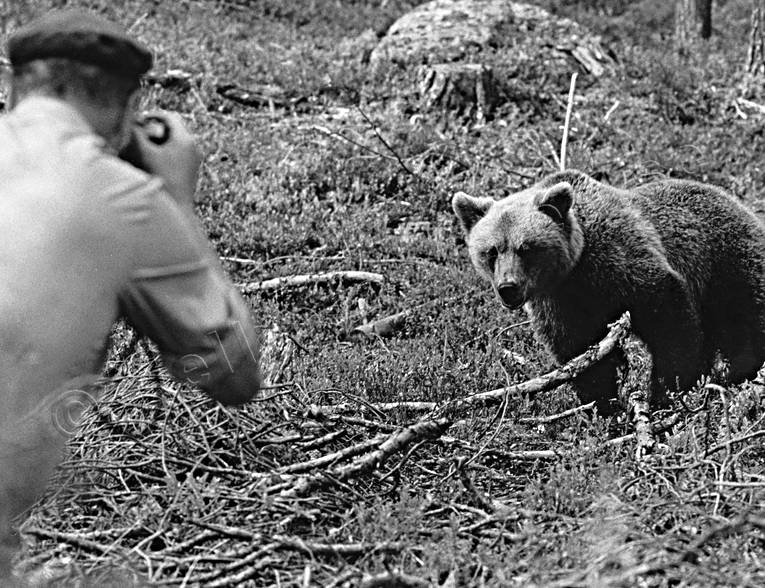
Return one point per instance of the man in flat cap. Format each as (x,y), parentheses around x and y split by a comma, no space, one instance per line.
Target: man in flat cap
(86,238)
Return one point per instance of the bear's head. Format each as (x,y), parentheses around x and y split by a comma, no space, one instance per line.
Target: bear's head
(525,244)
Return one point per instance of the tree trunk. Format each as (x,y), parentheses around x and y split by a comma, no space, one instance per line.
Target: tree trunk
(704,12)
(755,56)
(685,20)
(693,20)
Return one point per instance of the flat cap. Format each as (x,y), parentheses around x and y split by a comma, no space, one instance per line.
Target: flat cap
(81,36)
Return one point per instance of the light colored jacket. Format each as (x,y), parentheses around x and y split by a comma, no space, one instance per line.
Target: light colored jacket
(85,239)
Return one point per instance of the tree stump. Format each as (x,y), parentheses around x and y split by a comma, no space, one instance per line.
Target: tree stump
(469,88)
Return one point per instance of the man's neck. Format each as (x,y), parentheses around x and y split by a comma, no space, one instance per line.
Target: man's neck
(107,121)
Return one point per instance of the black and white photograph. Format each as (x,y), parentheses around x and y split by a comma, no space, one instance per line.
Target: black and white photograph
(382,293)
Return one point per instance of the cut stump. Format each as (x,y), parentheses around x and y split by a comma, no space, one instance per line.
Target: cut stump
(469,88)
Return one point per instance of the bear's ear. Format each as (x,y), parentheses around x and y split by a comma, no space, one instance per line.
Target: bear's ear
(556,201)
(470,210)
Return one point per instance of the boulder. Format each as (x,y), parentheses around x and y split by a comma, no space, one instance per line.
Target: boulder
(443,31)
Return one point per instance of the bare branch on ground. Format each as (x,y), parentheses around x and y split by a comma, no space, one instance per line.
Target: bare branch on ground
(396,442)
(295,281)
(545,420)
(530,388)
(393,580)
(383,327)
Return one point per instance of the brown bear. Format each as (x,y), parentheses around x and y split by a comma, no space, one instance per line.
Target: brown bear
(685,258)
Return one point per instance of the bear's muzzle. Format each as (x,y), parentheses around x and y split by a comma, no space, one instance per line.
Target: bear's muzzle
(511,294)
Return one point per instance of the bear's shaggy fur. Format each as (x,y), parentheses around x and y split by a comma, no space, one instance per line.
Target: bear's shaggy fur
(686,259)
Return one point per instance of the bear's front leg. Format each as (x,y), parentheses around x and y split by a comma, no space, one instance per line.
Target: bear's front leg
(667,321)
(599,383)
(568,330)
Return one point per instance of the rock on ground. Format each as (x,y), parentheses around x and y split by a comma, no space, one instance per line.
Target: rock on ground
(447,30)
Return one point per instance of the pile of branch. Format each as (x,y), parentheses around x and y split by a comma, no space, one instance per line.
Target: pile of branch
(167,487)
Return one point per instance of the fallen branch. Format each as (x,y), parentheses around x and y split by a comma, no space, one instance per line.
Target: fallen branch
(387,325)
(750,104)
(641,416)
(393,580)
(636,386)
(323,440)
(315,548)
(228,531)
(398,441)
(530,454)
(346,407)
(332,458)
(74,539)
(311,279)
(656,428)
(530,388)
(262,96)
(383,327)
(617,331)
(277,352)
(611,110)
(366,423)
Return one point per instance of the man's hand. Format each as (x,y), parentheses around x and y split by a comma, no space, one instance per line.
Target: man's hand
(176,161)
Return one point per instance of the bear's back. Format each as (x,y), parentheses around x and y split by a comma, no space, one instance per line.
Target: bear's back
(712,240)
(704,228)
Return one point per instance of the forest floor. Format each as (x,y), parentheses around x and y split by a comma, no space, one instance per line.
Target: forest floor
(331,166)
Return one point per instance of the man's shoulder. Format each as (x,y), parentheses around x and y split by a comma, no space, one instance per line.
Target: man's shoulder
(50,141)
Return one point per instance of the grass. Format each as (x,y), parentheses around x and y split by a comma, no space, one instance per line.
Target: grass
(280,192)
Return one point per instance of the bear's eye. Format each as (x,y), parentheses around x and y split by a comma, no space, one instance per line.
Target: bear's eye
(490,257)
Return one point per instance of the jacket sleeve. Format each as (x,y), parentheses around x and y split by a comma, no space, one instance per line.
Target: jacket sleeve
(178,295)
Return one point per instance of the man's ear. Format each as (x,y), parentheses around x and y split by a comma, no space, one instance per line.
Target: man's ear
(556,201)
(470,210)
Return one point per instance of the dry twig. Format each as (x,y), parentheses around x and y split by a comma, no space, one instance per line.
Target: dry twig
(383,327)
(567,124)
(546,420)
(396,442)
(393,580)
(349,276)
(530,388)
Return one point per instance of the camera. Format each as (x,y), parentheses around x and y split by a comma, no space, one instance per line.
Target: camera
(152,127)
